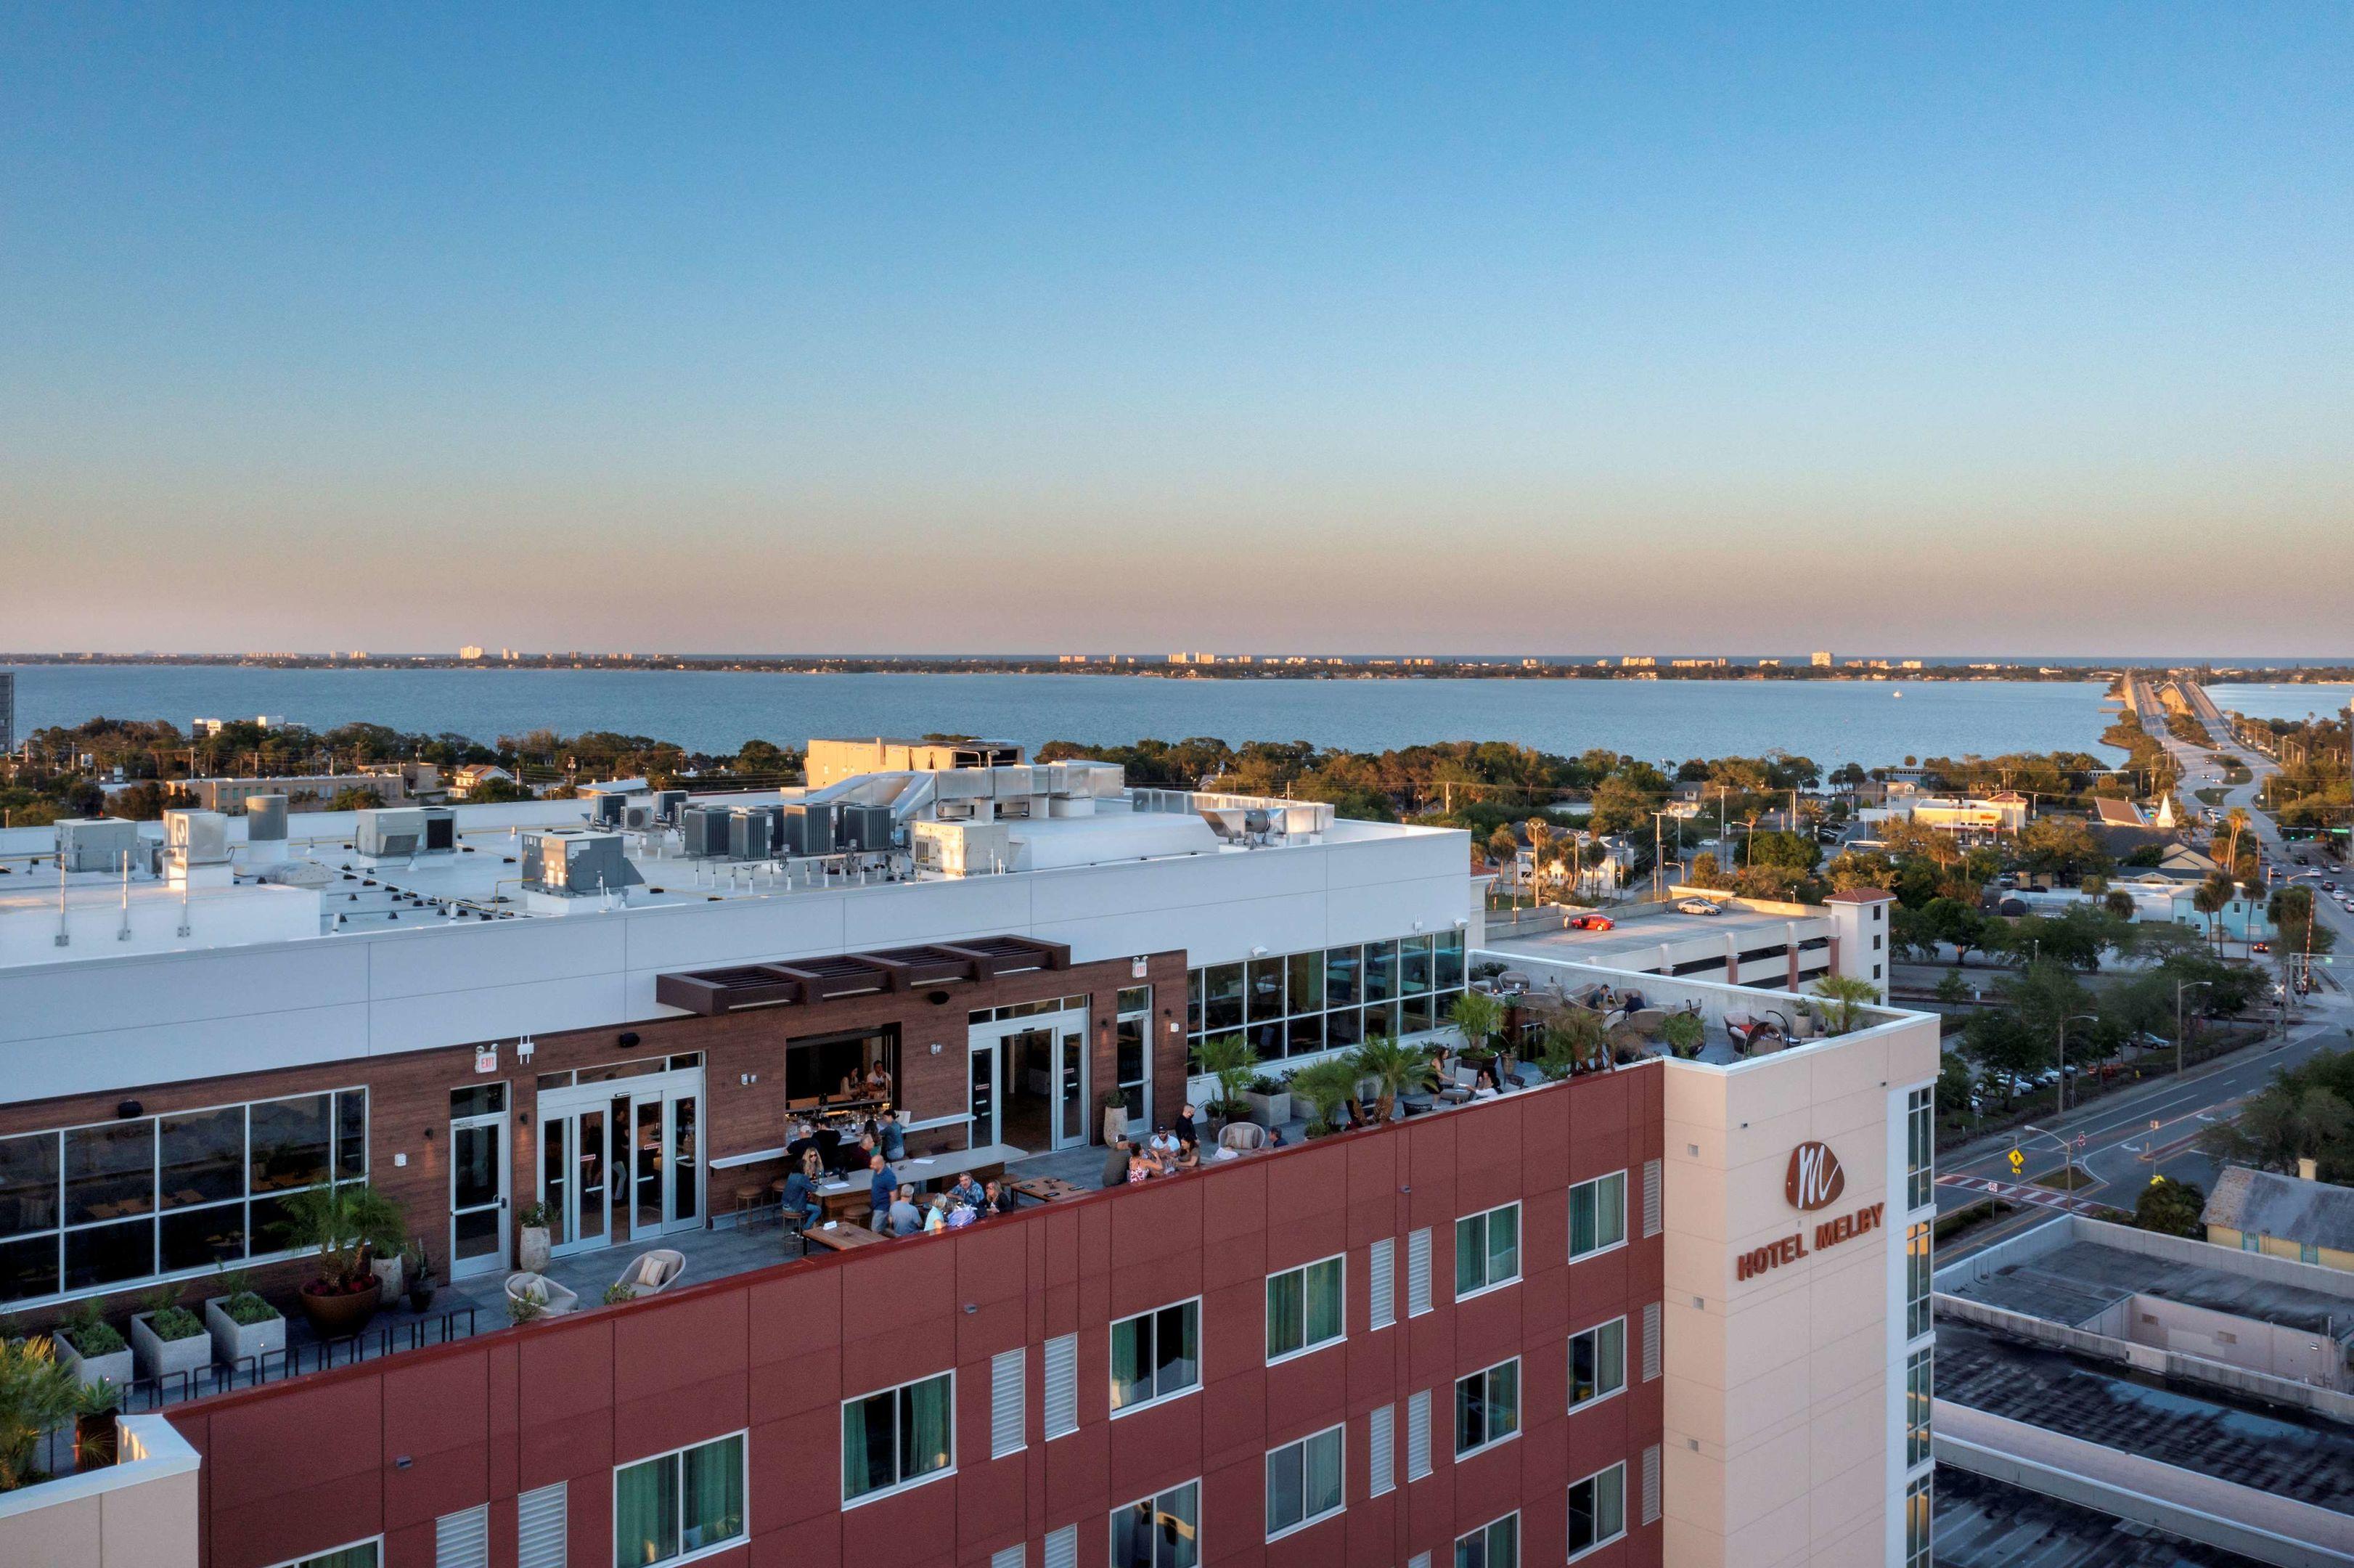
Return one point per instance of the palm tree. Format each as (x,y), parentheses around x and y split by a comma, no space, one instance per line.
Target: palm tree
(1397,1068)
(1845,995)
(1229,1059)
(2236,819)
(1326,1085)
(1476,1015)
(1574,1038)
(2215,897)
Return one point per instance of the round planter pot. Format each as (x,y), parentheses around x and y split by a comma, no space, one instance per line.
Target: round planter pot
(335,1314)
(532,1248)
(420,1298)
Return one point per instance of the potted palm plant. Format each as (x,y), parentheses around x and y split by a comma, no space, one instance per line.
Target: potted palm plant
(1477,1016)
(242,1324)
(345,1225)
(90,1347)
(167,1339)
(1684,1033)
(37,1391)
(1396,1069)
(1326,1085)
(1576,1041)
(420,1264)
(97,1439)
(1229,1059)
(1844,998)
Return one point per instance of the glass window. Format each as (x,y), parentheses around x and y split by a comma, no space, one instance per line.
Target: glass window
(1222,997)
(1597,1215)
(1155,1355)
(110,1170)
(1135,999)
(351,1134)
(1447,970)
(1304,1036)
(1598,1510)
(898,1436)
(28,1183)
(1382,1019)
(110,1255)
(1918,1271)
(201,1157)
(1193,1001)
(1342,967)
(290,1143)
(1917,1524)
(1487,1407)
(1414,966)
(1598,1363)
(1919,1390)
(1921,1144)
(482,1099)
(1381,971)
(1415,1014)
(1265,988)
(1486,1250)
(365,1554)
(679,1504)
(1343,1027)
(1159,1531)
(202,1238)
(1305,982)
(1495,1545)
(28,1267)
(1303,1309)
(1303,1482)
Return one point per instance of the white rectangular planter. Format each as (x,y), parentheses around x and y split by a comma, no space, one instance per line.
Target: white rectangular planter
(114,1368)
(1270,1111)
(233,1340)
(164,1358)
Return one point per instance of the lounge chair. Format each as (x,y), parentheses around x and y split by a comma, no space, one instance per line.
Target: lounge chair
(1242,1136)
(554,1299)
(653,1272)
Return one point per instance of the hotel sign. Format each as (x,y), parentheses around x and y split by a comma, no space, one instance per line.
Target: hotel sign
(1814,1180)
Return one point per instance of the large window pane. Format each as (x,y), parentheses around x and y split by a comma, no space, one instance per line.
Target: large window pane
(1286,1491)
(1131,1362)
(1265,988)
(1304,1036)
(1381,971)
(1343,1027)
(1414,966)
(109,1255)
(645,1512)
(28,1183)
(1222,997)
(1382,1019)
(1342,969)
(351,1133)
(870,1445)
(110,1170)
(1415,1014)
(290,1142)
(1447,971)
(925,1441)
(1193,1003)
(28,1267)
(1161,1532)
(1177,1358)
(1305,982)
(711,1507)
(201,1157)
(202,1238)
(1324,1300)
(1284,1317)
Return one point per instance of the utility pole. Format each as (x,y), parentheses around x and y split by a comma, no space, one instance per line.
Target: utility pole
(2179,987)
(2088,1018)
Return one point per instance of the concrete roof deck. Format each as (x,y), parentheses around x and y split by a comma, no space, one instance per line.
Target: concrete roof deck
(2075,1282)
(1639,931)
(2286,1452)
(1987,1523)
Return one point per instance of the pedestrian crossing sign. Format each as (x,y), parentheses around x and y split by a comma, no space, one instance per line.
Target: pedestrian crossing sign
(2017,1160)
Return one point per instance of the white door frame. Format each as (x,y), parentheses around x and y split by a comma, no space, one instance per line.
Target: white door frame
(1058,1028)
(493,1262)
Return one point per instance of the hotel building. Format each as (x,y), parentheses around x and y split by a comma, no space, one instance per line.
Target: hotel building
(1669,1311)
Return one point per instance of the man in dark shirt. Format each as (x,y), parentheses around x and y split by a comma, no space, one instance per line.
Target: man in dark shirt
(1185,1133)
(800,1198)
(881,1188)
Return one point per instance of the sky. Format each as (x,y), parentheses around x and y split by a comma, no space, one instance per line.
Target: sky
(1973,329)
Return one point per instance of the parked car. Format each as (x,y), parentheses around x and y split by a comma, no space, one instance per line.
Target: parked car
(1592,923)
(2260,947)
(1698,906)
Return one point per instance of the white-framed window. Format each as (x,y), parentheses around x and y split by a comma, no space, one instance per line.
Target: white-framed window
(1303,1482)
(1916,1523)
(1919,1277)
(1162,1530)
(1920,1148)
(1486,1250)
(1304,1309)
(365,1554)
(1156,1355)
(1920,1377)
(1487,1408)
(1493,1545)
(1598,1510)
(1598,1363)
(679,1506)
(898,1438)
(176,1195)
(1597,1215)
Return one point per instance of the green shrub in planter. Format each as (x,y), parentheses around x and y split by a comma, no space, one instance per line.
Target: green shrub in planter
(91,1335)
(167,1320)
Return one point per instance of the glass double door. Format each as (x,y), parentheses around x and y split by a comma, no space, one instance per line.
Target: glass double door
(620,1163)
(1029,1082)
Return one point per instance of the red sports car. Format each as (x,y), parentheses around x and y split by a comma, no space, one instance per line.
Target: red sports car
(1592,923)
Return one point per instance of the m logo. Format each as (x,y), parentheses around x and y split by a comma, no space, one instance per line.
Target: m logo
(1814,1179)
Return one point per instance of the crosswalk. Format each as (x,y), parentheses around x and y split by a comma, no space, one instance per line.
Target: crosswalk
(2023,1192)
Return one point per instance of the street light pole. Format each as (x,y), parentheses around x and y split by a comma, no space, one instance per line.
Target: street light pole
(2179,987)
(2088,1018)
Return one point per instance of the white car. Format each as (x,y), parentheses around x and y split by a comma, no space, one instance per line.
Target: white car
(1698,906)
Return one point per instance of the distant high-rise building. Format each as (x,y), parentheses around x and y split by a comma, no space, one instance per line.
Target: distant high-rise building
(1821,660)
(469,654)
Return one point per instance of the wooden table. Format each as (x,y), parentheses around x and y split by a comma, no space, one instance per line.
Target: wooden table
(841,1238)
(846,1200)
(1047,1189)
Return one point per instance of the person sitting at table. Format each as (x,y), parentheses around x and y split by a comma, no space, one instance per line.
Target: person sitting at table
(965,1190)
(877,1085)
(1188,1155)
(800,1198)
(894,1137)
(996,1198)
(812,1165)
(936,1214)
(1484,1087)
(907,1219)
(851,1088)
(1142,1167)
(1163,1144)
(882,1186)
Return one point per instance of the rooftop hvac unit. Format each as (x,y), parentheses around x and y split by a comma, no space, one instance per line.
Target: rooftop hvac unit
(809,829)
(575,862)
(196,838)
(637,819)
(668,804)
(390,832)
(440,830)
(97,844)
(704,830)
(265,819)
(607,810)
(751,832)
(866,827)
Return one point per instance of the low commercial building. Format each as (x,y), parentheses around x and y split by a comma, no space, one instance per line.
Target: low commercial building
(2285,1216)
(1660,1312)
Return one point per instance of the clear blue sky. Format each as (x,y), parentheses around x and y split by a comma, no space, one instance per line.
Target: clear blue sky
(694,328)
